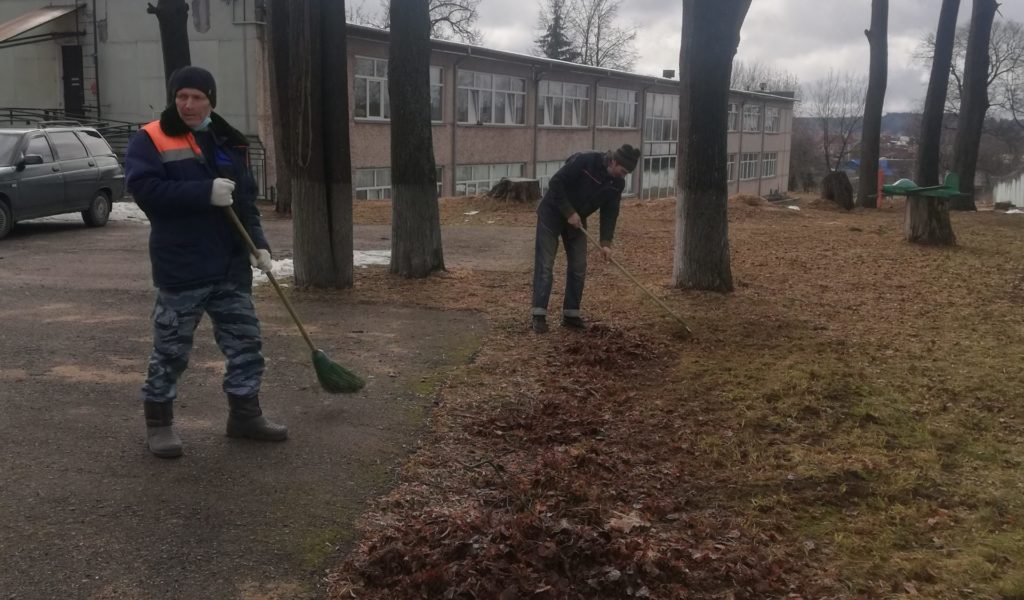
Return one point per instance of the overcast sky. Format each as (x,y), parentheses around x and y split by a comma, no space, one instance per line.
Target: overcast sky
(804,37)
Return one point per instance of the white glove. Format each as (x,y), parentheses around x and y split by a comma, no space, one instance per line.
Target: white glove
(220,193)
(261,260)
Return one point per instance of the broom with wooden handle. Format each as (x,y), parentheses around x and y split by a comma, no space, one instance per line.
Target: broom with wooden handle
(333,377)
(686,328)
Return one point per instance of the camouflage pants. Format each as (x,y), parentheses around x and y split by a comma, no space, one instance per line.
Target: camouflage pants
(235,328)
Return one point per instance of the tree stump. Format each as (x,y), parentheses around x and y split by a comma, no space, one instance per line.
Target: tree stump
(836,187)
(517,189)
(927,221)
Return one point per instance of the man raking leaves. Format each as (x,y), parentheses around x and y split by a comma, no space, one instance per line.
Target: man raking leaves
(188,172)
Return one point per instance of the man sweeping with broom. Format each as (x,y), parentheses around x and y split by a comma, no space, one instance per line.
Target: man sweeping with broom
(587,183)
(183,170)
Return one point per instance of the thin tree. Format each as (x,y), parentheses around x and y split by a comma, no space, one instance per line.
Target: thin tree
(310,111)
(837,103)
(975,102)
(449,19)
(172,15)
(597,39)
(871,132)
(415,218)
(927,221)
(711,34)
(554,42)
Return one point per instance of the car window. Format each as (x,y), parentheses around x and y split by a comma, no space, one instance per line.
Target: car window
(95,143)
(68,146)
(8,144)
(39,145)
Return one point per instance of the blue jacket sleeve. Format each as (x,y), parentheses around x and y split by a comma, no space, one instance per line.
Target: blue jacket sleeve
(155,194)
(568,175)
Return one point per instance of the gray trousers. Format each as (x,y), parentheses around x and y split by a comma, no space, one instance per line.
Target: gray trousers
(235,328)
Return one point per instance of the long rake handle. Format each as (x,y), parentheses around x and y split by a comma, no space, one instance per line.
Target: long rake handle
(255,252)
(638,284)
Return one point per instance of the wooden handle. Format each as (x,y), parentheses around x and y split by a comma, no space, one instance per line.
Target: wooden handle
(255,252)
(638,284)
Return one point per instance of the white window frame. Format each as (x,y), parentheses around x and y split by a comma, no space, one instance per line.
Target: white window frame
(751,118)
(772,119)
(616,108)
(487,88)
(563,104)
(382,183)
(662,182)
(439,86)
(377,79)
(734,117)
(730,167)
(770,162)
(381,188)
(749,162)
(544,170)
(482,177)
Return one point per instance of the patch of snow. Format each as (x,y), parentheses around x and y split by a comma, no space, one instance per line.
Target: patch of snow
(472,212)
(793,207)
(285,267)
(1014,211)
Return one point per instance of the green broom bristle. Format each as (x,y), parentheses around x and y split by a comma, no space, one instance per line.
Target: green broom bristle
(333,377)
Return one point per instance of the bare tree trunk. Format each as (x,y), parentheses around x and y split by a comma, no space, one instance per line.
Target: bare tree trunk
(974,104)
(711,34)
(337,154)
(415,221)
(871,128)
(322,247)
(927,220)
(172,16)
(928,148)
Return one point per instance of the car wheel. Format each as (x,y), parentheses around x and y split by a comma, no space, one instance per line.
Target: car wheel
(6,220)
(98,212)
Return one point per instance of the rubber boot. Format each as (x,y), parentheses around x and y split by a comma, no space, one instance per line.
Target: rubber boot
(160,436)
(246,420)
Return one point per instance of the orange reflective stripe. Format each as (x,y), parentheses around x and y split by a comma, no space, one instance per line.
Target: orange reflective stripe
(173,148)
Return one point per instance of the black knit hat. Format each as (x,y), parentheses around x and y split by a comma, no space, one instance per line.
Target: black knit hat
(196,78)
(627,156)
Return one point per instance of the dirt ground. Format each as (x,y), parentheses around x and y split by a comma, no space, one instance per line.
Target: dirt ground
(847,423)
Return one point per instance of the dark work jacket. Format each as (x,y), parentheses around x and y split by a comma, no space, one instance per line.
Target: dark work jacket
(583,185)
(191,242)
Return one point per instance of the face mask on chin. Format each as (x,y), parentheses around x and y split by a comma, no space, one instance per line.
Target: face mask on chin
(204,125)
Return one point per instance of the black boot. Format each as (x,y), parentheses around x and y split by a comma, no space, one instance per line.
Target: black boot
(574,323)
(246,420)
(160,436)
(539,324)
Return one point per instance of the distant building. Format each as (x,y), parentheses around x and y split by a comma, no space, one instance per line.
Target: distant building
(496,114)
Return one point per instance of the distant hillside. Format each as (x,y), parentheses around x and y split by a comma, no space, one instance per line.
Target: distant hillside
(905,123)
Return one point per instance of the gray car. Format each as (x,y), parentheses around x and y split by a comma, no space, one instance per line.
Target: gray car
(56,170)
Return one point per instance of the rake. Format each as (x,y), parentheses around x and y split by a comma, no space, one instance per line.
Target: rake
(333,377)
(686,327)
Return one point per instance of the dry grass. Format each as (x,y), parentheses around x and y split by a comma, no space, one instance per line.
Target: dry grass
(851,417)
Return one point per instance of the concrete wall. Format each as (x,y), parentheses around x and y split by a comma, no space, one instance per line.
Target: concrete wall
(32,73)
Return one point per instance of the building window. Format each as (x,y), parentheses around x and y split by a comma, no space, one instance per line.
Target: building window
(752,118)
(201,15)
(772,119)
(473,180)
(436,94)
(375,184)
(771,160)
(734,116)
(563,104)
(371,90)
(748,165)
(486,99)
(545,170)
(659,177)
(730,168)
(616,108)
(661,125)
(371,83)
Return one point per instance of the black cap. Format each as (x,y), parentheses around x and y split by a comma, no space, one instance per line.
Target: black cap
(627,156)
(196,78)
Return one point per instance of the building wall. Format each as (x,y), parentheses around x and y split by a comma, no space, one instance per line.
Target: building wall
(32,73)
